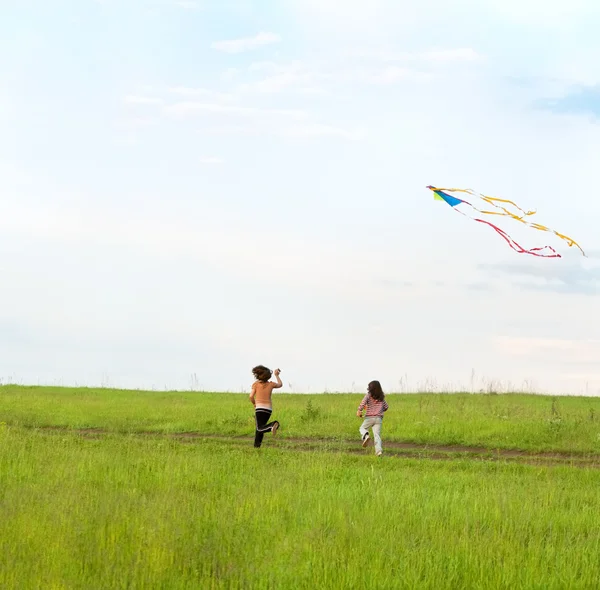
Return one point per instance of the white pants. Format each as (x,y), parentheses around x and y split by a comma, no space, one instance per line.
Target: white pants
(375,423)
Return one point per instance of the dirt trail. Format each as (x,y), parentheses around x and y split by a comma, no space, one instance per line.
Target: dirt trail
(402,450)
(409,450)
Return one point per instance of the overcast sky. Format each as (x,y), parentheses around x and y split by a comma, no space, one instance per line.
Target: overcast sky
(195,187)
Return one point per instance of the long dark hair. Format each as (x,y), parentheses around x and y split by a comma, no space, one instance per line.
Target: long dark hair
(375,391)
(262,373)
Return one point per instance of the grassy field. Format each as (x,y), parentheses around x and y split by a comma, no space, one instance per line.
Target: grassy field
(529,422)
(96,492)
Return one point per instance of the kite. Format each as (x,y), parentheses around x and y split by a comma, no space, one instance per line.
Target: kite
(504,208)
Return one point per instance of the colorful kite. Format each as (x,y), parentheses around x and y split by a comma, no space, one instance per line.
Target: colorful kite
(502,207)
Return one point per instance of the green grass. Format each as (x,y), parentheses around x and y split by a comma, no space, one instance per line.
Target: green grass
(132,510)
(139,512)
(529,422)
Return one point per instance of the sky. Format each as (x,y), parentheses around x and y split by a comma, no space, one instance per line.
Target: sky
(191,188)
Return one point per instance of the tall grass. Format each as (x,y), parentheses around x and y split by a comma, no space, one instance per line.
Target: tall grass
(139,512)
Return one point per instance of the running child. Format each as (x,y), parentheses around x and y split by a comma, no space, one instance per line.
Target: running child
(376,405)
(260,397)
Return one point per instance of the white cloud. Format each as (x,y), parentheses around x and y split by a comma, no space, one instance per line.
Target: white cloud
(188,4)
(282,129)
(312,130)
(527,346)
(324,78)
(163,232)
(261,66)
(394,74)
(126,139)
(447,55)
(211,160)
(229,74)
(247,43)
(132,123)
(554,14)
(254,120)
(143,100)
(196,92)
(386,54)
(281,77)
(191,108)
(351,17)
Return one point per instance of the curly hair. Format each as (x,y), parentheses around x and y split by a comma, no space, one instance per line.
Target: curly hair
(262,373)
(375,391)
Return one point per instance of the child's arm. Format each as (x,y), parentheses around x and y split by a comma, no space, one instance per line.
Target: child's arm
(253,394)
(279,383)
(385,406)
(362,405)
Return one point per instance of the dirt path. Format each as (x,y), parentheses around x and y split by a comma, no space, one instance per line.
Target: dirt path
(409,450)
(394,449)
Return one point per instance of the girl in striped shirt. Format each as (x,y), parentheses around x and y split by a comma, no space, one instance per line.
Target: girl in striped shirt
(376,405)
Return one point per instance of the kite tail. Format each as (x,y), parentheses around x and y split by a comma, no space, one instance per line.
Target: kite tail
(570,241)
(493,200)
(503,211)
(517,247)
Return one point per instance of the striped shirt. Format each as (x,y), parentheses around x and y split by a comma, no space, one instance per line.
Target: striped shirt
(374,407)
